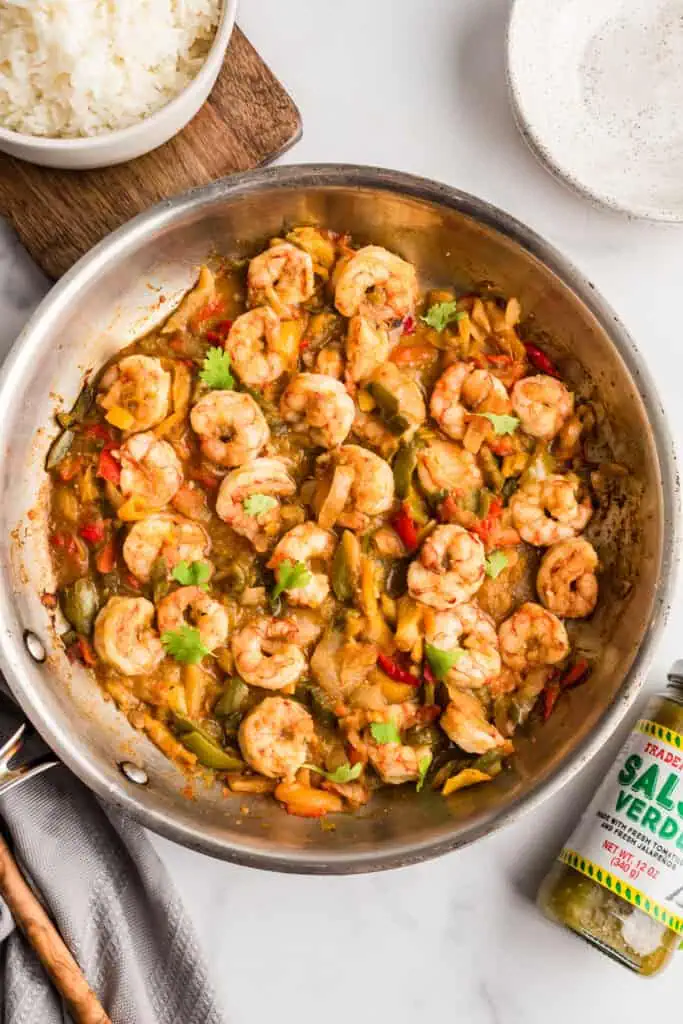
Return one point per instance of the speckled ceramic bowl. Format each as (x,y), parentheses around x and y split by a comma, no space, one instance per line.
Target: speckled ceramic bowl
(596,89)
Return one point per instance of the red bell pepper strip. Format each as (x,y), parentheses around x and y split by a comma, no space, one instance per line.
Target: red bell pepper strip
(575,675)
(212,308)
(394,671)
(484,526)
(66,542)
(406,528)
(550,695)
(501,445)
(219,333)
(409,325)
(106,557)
(93,533)
(99,432)
(540,360)
(80,650)
(108,468)
(428,675)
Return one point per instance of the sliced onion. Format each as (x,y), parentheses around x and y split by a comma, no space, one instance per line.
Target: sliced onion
(337,496)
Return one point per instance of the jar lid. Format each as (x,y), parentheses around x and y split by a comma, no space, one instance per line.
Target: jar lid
(675,673)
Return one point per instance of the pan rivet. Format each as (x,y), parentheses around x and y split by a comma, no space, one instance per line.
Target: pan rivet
(134,773)
(34,646)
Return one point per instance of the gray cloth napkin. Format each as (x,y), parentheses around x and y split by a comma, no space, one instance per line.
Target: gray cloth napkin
(113,903)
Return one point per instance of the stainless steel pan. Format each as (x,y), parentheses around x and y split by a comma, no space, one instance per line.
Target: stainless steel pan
(128,282)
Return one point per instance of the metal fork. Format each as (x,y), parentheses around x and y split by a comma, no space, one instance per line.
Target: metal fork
(10,777)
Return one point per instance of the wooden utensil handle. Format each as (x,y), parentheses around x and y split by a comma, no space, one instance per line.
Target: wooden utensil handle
(30,916)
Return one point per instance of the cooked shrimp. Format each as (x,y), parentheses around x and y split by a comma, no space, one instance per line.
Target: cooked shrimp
(362,486)
(461,389)
(449,569)
(192,606)
(307,624)
(306,543)
(547,511)
(372,432)
(321,405)
(532,636)
(140,386)
(166,536)
(444,466)
(404,390)
(253,344)
(276,737)
(376,284)
(472,633)
(268,477)
(395,763)
(125,638)
(267,653)
(230,426)
(367,347)
(464,722)
(542,404)
(566,580)
(150,469)
(281,277)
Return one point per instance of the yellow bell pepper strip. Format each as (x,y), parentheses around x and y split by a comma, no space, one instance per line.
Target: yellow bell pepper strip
(467,777)
(120,418)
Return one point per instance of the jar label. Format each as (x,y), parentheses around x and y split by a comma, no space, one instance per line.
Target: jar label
(630,839)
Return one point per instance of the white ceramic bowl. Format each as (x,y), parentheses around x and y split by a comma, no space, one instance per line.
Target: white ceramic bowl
(116,147)
(596,88)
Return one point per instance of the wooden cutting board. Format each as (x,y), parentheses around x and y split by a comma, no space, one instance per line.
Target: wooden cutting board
(247,121)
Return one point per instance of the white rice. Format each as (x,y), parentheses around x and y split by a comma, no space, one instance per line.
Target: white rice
(84,67)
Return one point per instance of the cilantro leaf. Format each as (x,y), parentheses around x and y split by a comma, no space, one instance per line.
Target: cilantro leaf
(192,574)
(495,563)
(441,314)
(215,372)
(185,645)
(344,773)
(384,732)
(290,576)
(257,504)
(423,767)
(501,424)
(441,662)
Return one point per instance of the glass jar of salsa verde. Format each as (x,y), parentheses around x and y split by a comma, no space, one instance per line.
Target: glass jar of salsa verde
(618,882)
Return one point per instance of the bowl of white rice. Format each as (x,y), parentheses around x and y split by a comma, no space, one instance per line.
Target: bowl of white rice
(92,83)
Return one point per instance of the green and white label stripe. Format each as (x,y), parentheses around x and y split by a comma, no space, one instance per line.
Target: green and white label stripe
(624,890)
(660,732)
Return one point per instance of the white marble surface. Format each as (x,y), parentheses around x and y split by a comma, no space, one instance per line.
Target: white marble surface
(419,85)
